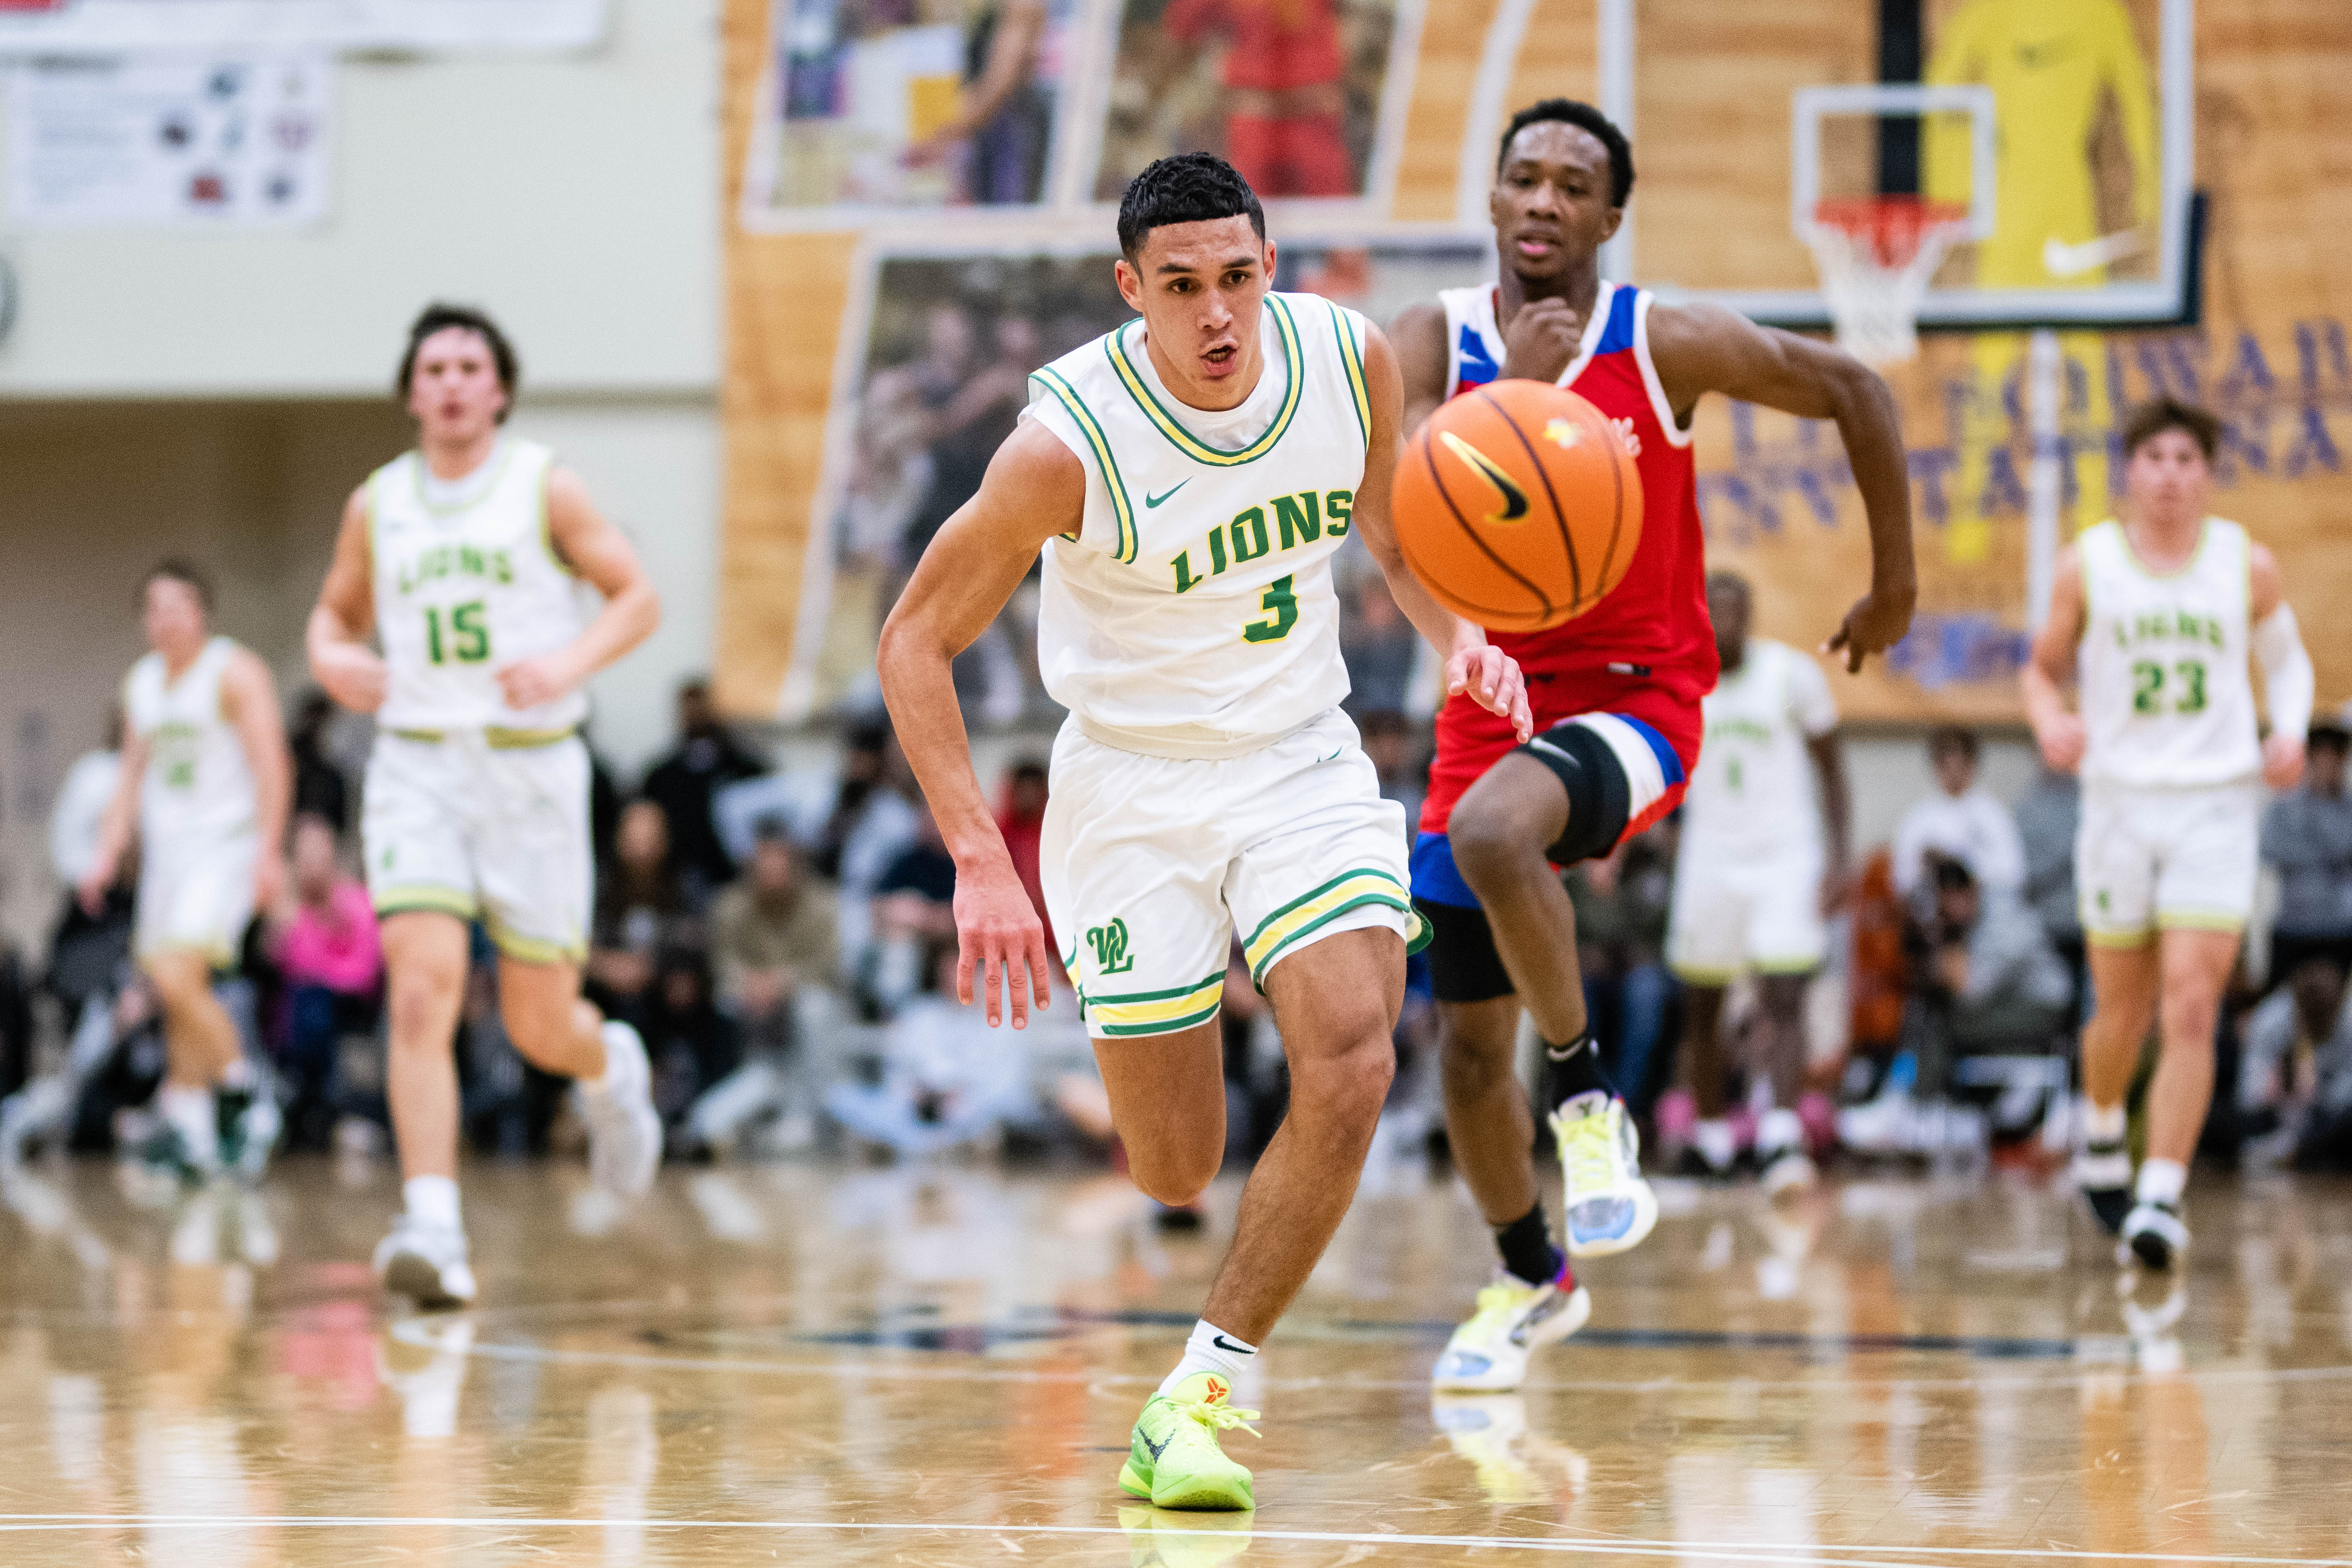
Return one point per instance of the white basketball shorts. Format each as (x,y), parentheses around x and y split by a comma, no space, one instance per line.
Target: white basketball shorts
(195,894)
(483,824)
(1732,914)
(1152,863)
(2156,857)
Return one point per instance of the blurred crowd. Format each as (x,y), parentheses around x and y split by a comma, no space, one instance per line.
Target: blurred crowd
(785,940)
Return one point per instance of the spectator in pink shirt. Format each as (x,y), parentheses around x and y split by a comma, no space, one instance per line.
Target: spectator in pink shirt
(326,947)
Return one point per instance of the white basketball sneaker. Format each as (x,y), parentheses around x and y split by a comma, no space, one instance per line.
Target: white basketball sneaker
(425,1263)
(1488,1354)
(1610,1208)
(624,1130)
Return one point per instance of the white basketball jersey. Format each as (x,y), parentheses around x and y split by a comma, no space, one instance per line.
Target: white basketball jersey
(1752,792)
(466,587)
(2165,691)
(1192,613)
(197,780)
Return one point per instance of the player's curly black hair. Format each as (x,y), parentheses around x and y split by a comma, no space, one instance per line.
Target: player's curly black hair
(439,317)
(1584,116)
(1191,187)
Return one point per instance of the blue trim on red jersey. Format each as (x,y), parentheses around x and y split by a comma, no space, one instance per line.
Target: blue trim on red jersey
(1478,368)
(1617,336)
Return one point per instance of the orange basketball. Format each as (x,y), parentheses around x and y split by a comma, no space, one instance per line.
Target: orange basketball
(1518,505)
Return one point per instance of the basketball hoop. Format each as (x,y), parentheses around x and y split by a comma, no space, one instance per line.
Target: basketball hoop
(1876,255)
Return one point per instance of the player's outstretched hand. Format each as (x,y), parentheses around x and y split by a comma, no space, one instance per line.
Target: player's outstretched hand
(997,931)
(2282,762)
(1873,625)
(1494,681)
(2063,740)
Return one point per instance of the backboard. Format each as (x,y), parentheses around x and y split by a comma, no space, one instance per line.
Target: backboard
(2078,113)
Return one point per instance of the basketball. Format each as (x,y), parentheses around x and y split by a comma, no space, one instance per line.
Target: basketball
(1517,504)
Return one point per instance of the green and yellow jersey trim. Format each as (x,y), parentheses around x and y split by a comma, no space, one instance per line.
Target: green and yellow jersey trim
(1351,355)
(1157,1011)
(1304,915)
(1092,430)
(512,943)
(1183,440)
(425,897)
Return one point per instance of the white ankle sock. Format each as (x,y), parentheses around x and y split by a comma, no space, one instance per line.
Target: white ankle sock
(2161,1182)
(2103,1123)
(238,1074)
(1778,1131)
(189,1109)
(1715,1142)
(1210,1349)
(433,1200)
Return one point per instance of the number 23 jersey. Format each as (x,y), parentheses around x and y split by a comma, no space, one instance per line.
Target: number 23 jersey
(1192,613)
(466,583)
(2164,692)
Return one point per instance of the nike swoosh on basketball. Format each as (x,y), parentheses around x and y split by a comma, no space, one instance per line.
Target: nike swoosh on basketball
(1151,500)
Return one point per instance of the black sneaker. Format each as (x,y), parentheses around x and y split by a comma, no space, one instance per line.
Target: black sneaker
(2104,1172)
(2154,1233)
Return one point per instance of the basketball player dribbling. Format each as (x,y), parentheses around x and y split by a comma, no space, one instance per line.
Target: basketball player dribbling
(204,789)
(1188,477)
(1616,693)
(462,557)
(2153,617)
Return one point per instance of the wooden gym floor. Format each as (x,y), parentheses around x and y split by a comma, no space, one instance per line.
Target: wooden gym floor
(940,1365)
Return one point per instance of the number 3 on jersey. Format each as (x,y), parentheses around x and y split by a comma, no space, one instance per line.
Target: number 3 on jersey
(1283,605)
(468,639)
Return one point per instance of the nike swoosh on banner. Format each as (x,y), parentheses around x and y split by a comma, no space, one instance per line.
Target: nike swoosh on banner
(1150,502)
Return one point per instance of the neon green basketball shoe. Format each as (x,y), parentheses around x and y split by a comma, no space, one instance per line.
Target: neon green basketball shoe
(1174,1460)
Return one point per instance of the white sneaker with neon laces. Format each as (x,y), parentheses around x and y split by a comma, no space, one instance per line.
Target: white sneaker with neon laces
(1488,1354)
(1610,1208)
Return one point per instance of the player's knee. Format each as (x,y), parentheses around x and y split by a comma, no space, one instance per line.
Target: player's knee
(1175,1174)
(179,979)
(1470,1065)
(541,1030)
(415,1002)
(1492,841)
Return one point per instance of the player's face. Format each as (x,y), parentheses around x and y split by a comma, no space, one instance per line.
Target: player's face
(1550,203)
(1199,287)
(454,390)
(173,619)
(2168,476)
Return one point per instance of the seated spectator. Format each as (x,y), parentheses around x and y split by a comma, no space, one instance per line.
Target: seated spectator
(320,790)
(705,760)
(2309,836)
(945,1077)
(773,932)
(1022,820)
(2294,1075)
(1388,742)
(1959,822)
(325,946)
(1989,983)
(1379,647)
(689,1042)
(81,809)
(853,821)
(640,910)
(913,916)
(2047,820)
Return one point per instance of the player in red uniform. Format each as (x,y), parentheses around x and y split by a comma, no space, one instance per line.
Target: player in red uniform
(1616,695)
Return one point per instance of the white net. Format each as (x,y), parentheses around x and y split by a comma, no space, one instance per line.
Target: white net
(1876,258)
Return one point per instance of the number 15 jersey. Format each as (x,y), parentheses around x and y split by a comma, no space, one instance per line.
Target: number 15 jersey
(1192,613)
(467,582)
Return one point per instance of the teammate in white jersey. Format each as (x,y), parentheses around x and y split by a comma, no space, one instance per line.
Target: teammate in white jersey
(2154,617)
(205,785)
(461,557)
(1760,873)
(1188,477)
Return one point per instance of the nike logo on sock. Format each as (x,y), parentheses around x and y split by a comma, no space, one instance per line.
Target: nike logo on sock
(1224,1343)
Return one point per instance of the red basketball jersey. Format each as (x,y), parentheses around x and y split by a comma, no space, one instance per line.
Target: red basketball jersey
(1647,648)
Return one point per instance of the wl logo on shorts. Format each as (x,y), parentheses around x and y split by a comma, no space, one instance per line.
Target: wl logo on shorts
(1109,944)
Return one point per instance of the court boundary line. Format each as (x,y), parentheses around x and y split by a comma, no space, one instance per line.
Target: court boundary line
(1764,1552)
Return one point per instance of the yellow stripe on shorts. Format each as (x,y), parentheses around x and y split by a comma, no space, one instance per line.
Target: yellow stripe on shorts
(1326,903)
(1159,1012)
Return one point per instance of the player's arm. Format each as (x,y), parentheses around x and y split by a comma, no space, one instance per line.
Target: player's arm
(1828,754)
(1034,488)
(1423,359)
(2049,664)
(250,702)
(336,637)
(1472,664)
(114,828)
(586,541)
(2288,681)
(1703,348)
